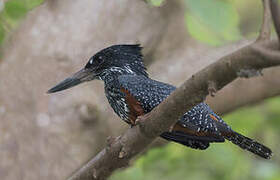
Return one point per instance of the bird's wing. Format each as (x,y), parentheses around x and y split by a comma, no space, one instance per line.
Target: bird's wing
(196,128)
(202,119)
(149,93)
(144,94)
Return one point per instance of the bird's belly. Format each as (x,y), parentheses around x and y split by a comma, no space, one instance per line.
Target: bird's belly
(120,107)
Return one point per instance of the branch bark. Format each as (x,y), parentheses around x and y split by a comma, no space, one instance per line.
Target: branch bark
(265,29)
(246,62)
(275,12)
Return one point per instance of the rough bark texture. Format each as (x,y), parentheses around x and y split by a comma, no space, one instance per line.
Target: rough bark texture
(48,137)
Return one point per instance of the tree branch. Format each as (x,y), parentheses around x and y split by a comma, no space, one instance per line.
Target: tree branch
(254,90)
(245,62)
(265,29)
(275,12)
(248,59)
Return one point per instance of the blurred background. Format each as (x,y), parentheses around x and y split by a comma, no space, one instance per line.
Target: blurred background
(50,136)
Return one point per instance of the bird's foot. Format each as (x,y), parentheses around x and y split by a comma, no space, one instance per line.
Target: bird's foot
(171,128)
(140,119)
(212,88)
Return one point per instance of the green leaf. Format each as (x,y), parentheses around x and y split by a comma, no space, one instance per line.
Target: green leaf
(212,21)
(15,8)
(200,32)
(155,2)
(30,4)
(2,33)
(13,11)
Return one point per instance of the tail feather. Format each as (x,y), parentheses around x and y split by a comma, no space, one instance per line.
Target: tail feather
(249,144)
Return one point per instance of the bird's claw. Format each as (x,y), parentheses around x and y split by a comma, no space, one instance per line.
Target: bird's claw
(171,128)
(140,119)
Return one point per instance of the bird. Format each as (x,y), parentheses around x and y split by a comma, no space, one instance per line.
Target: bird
(132,93)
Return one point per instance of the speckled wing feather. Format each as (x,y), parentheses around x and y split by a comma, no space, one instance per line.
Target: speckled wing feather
(189,130)
(148,92)
(197,127)
(151,93)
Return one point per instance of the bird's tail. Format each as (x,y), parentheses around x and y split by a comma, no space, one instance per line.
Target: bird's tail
(249,144)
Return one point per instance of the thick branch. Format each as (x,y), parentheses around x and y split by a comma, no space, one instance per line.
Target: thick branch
(265,29)
(275,12)
(254,90)
(247,60)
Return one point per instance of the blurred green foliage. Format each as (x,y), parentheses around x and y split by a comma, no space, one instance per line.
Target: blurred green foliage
(2,34)
(223,161)
(212,21)
(217,22)
(155,2)
(13,12)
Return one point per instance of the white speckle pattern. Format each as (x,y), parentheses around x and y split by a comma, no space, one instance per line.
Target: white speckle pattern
(200,118)
(112,73)
(117,100)
(150,93)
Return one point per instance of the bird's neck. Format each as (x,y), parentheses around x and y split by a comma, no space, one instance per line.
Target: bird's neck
(113,73)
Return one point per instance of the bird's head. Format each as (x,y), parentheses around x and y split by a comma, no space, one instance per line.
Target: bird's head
(107,64)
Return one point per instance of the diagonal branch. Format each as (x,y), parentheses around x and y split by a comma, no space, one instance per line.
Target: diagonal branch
(265,28)
(193,91)
(275,12)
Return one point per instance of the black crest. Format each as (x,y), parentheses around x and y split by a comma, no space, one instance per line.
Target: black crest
(123,56)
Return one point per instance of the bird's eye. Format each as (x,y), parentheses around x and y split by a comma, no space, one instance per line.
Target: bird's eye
(91,61)
(94,61)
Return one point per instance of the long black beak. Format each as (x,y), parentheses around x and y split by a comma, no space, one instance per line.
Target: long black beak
(77,78)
